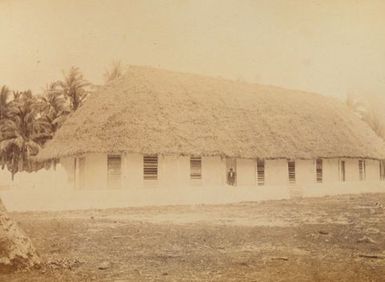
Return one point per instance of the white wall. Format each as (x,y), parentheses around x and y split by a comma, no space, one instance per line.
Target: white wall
(276,172)
(96,171)
(132,170)
(352,172)
(340,188)
(213,171)
(177,170)
(174,172)
(68,165)
(52,178)
(330,173)
(305,172)
(246,172)
(372,170)
(5,178)
(184,172)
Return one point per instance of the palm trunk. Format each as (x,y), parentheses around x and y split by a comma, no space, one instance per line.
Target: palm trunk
(16,249)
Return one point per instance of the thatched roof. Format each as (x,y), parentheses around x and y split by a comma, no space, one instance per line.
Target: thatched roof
(155,111)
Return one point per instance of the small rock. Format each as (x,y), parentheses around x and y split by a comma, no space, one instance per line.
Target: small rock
(104,265)
(165,273)
(323,232)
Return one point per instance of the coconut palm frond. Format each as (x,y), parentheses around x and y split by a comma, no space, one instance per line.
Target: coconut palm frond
(74,87)
(7,107)
(24,132)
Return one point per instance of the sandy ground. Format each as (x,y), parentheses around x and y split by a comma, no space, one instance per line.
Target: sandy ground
(339,238)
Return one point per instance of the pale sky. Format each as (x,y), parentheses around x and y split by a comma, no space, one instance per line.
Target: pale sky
(327,46)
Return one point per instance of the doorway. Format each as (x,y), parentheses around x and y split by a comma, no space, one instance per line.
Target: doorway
(342,170)
(114,171)
(231,171)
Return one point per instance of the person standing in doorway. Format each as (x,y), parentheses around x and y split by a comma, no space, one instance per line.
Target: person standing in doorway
(231,177)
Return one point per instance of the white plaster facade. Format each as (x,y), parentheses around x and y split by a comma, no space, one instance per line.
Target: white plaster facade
(175,184)
(174,172)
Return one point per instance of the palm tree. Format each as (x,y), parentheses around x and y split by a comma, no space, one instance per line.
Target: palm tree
(23,134)
(54,106)
(74,87)
(6,106)
(27,121)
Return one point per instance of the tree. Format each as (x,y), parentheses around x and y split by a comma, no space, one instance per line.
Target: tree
(6,107)
(115,72)
(75,88)
(28,121)
(54,106)
(23,134)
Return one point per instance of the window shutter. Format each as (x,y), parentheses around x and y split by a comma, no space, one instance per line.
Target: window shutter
(319,170)
(362,169)
(150,167)
(291,168)
(196,168)
(260,172)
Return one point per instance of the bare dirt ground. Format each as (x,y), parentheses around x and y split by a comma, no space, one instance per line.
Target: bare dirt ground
(339,238)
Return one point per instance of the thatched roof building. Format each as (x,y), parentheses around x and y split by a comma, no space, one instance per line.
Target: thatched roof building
(154,111)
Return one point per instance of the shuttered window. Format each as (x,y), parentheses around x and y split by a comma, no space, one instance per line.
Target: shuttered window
(114,171)
(291,169)
(260,172)
(196,168)
(382,169)
(318,168)
(362,169)
(150,167)
(342,171)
